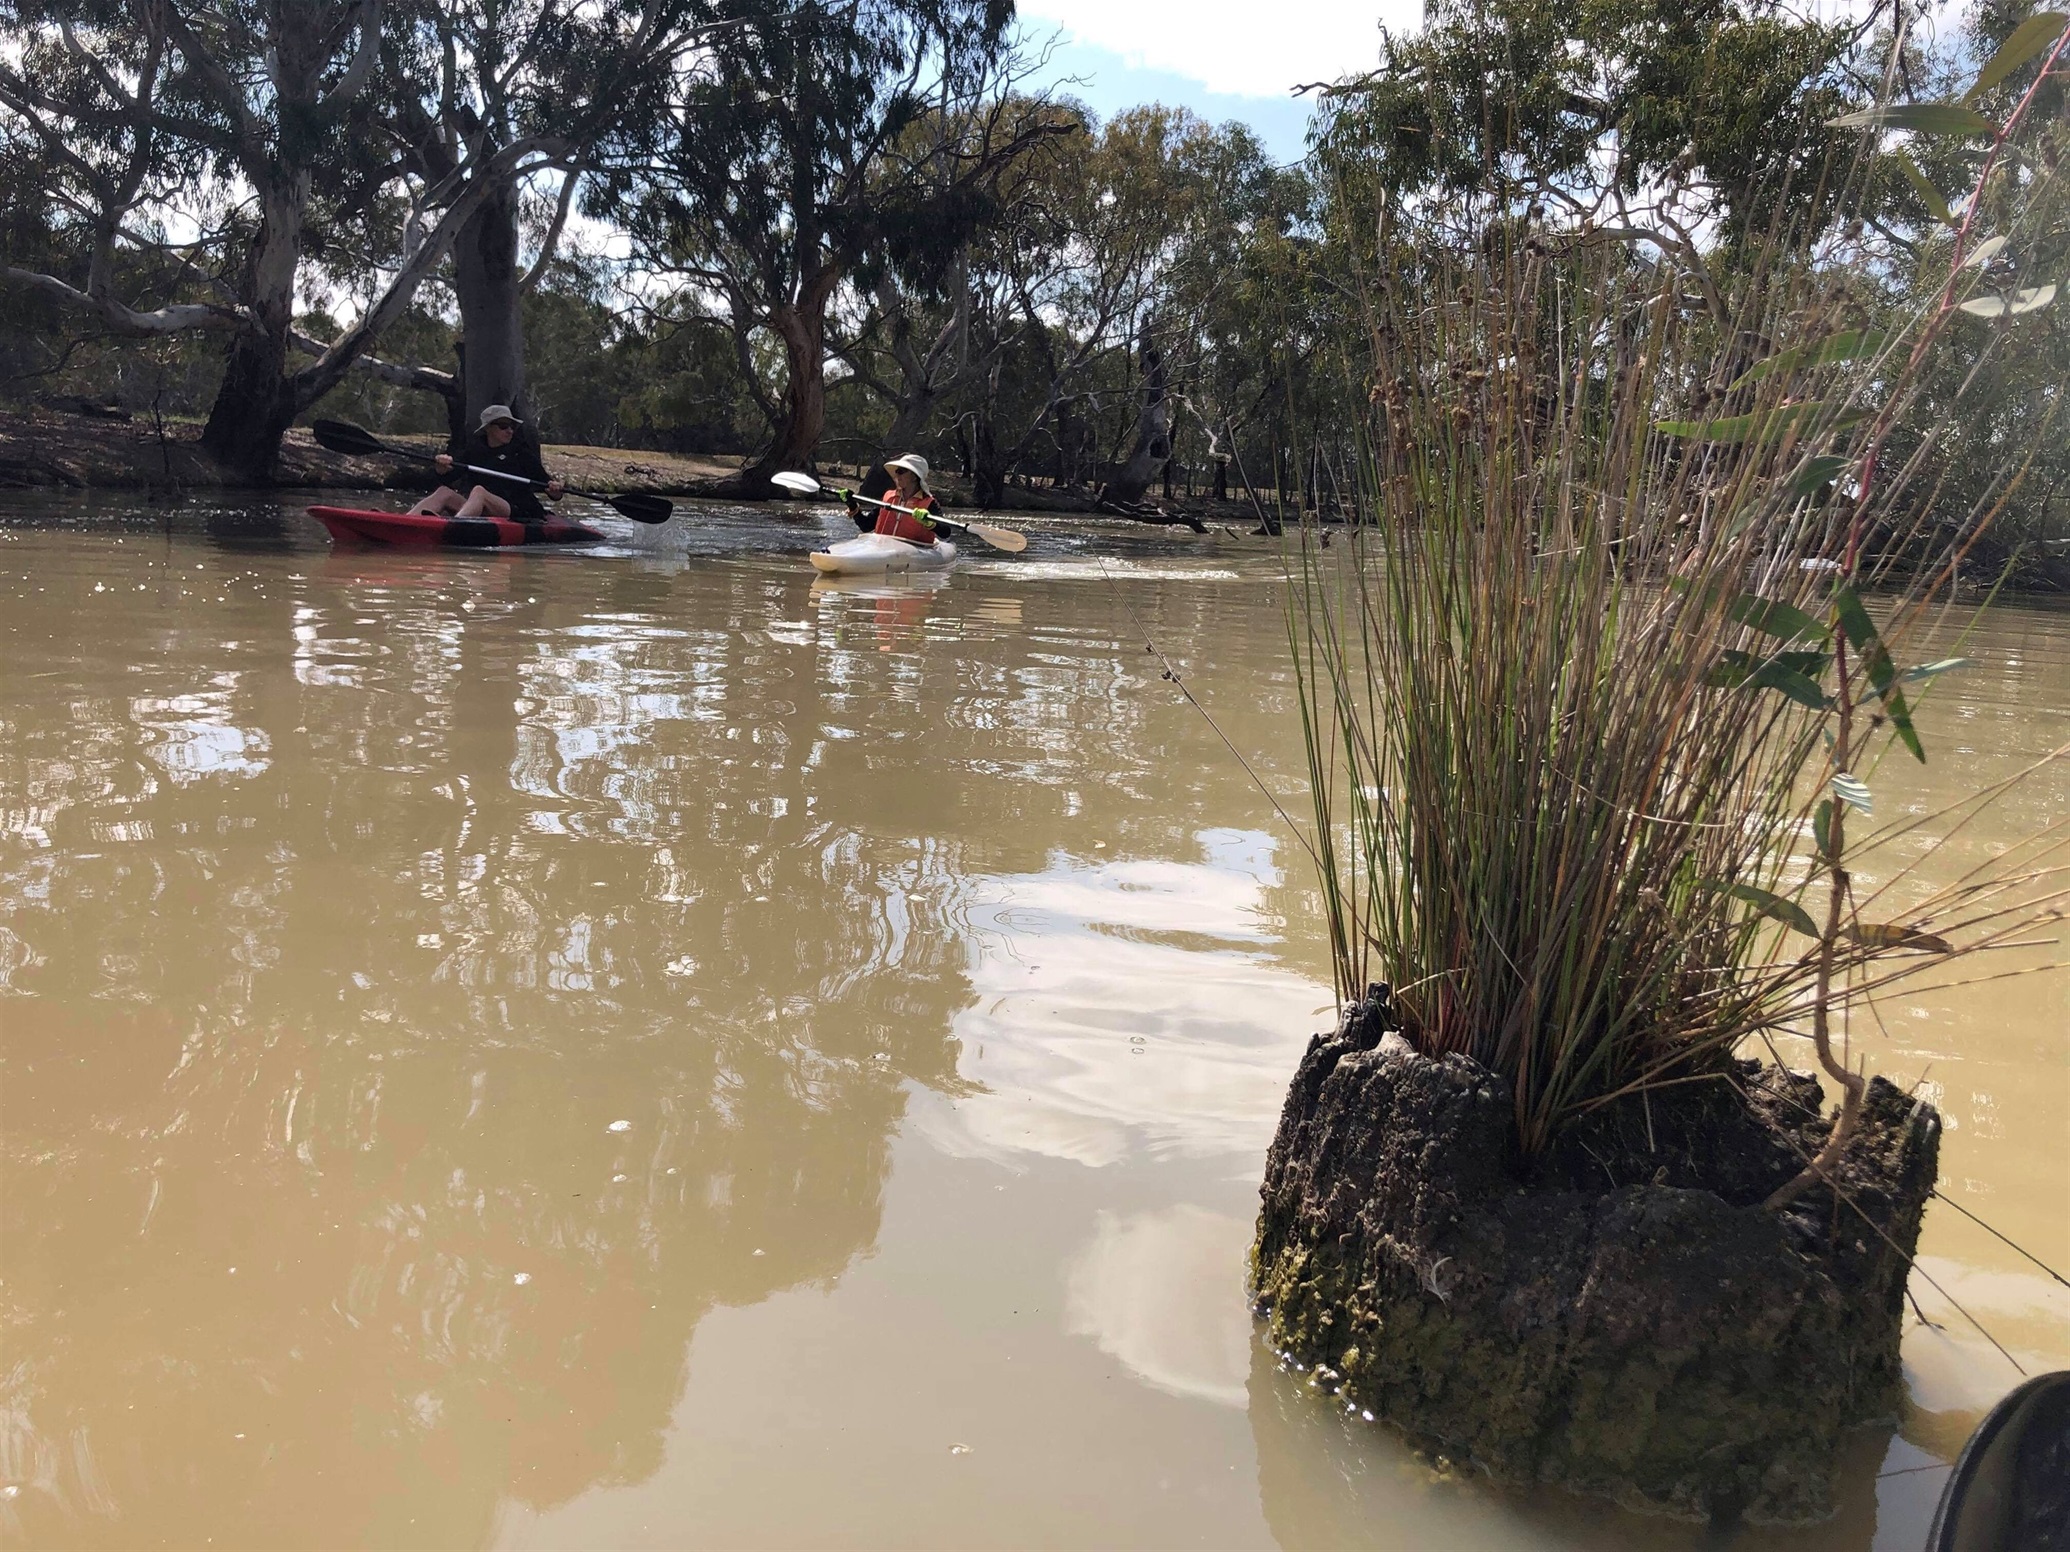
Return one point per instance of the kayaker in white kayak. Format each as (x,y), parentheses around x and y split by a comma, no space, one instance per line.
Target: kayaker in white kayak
(494,445)
(908,474)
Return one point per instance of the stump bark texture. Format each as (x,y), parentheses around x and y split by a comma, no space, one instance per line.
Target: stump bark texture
(1623,1319)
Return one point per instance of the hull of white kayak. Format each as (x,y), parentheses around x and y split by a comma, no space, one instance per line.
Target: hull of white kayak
(868,555)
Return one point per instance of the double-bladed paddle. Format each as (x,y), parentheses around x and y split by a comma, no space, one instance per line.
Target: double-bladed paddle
(341,436)
(999,538)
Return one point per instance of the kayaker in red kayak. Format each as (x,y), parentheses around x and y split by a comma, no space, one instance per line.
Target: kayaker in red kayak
(908,489)
(497,445)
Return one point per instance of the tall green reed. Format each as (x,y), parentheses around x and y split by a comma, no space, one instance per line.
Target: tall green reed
(1589,697)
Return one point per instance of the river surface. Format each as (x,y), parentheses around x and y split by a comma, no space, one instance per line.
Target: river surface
(639,1049)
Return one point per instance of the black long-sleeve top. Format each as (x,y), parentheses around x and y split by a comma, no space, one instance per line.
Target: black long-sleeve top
(518,462)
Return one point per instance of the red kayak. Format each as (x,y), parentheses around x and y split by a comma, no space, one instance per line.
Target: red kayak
(466,533)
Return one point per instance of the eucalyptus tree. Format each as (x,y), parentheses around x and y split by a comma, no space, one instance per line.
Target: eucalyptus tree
(1989,421)
(265,109)
(912,337)
(1085,302)
(1259,328)
(1230,325)
(81,124)
(1660,114)
(780,171)
(465,81)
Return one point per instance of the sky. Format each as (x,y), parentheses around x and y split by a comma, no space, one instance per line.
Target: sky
(1224,59)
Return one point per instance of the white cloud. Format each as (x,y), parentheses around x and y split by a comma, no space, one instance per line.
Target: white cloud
(1193,1064)
(1234,47)
(1163,1292)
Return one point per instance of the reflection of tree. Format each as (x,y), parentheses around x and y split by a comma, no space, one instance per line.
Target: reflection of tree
(359,1021)
(365,913)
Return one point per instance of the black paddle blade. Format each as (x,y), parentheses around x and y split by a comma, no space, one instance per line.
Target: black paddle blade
(643,509)
(341,436)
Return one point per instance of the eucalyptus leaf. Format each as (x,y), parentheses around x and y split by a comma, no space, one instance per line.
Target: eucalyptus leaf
(1901,719)
(1928,118)
(1760,425)
(1773,617)
(1854,792)
(1984,252)
(1861,633)
(1929,196)
(1852,345)
(1822,828)
(1774,906)
(1790,682)
(1740,670)
(1854,619)
(1891,935)
(1815,475)
(2033,35)
(2012,304)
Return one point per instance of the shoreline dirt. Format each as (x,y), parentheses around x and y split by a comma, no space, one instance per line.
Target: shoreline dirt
(1628,1321)
(42,449)
(46,449)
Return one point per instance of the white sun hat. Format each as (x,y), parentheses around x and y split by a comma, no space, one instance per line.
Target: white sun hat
(494,413)
(914,465)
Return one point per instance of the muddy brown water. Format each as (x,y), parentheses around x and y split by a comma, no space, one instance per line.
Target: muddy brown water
(637,1049)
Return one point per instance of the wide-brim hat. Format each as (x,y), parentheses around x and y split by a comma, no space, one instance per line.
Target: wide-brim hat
(494,413)
(913,464)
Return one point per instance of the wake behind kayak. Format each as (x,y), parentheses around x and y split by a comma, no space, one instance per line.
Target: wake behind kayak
(415,530)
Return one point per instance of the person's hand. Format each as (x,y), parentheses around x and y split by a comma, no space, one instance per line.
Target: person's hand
(554,489)
(443,463)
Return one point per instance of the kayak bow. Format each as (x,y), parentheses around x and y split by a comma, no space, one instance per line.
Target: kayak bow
(874,554)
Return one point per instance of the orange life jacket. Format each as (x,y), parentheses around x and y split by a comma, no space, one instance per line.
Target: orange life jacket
(899,525)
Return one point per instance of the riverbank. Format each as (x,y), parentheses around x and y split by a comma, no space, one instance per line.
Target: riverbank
(45,449)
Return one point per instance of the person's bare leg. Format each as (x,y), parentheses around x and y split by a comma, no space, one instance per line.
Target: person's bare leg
(440,503)
(482,502)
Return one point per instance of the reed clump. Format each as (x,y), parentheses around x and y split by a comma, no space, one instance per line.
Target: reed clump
(1599,696)
(1595,695)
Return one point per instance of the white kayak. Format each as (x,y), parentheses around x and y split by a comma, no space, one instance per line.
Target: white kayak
(873,554)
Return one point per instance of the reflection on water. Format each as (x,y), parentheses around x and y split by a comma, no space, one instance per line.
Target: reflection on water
(1131,1007)
(650,1048)
(1135,1291)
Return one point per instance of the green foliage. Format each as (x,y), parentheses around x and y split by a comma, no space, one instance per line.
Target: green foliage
(2021,45)
(1524,101)
(1558,804)
(1761,427)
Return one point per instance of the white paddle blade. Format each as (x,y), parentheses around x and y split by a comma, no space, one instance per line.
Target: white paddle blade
(803,484)
(1000,538)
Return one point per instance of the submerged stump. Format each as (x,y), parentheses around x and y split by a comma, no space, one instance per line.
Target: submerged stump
(1624,1319)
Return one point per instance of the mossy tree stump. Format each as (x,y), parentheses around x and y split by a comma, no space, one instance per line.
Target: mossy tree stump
(1623,1319)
